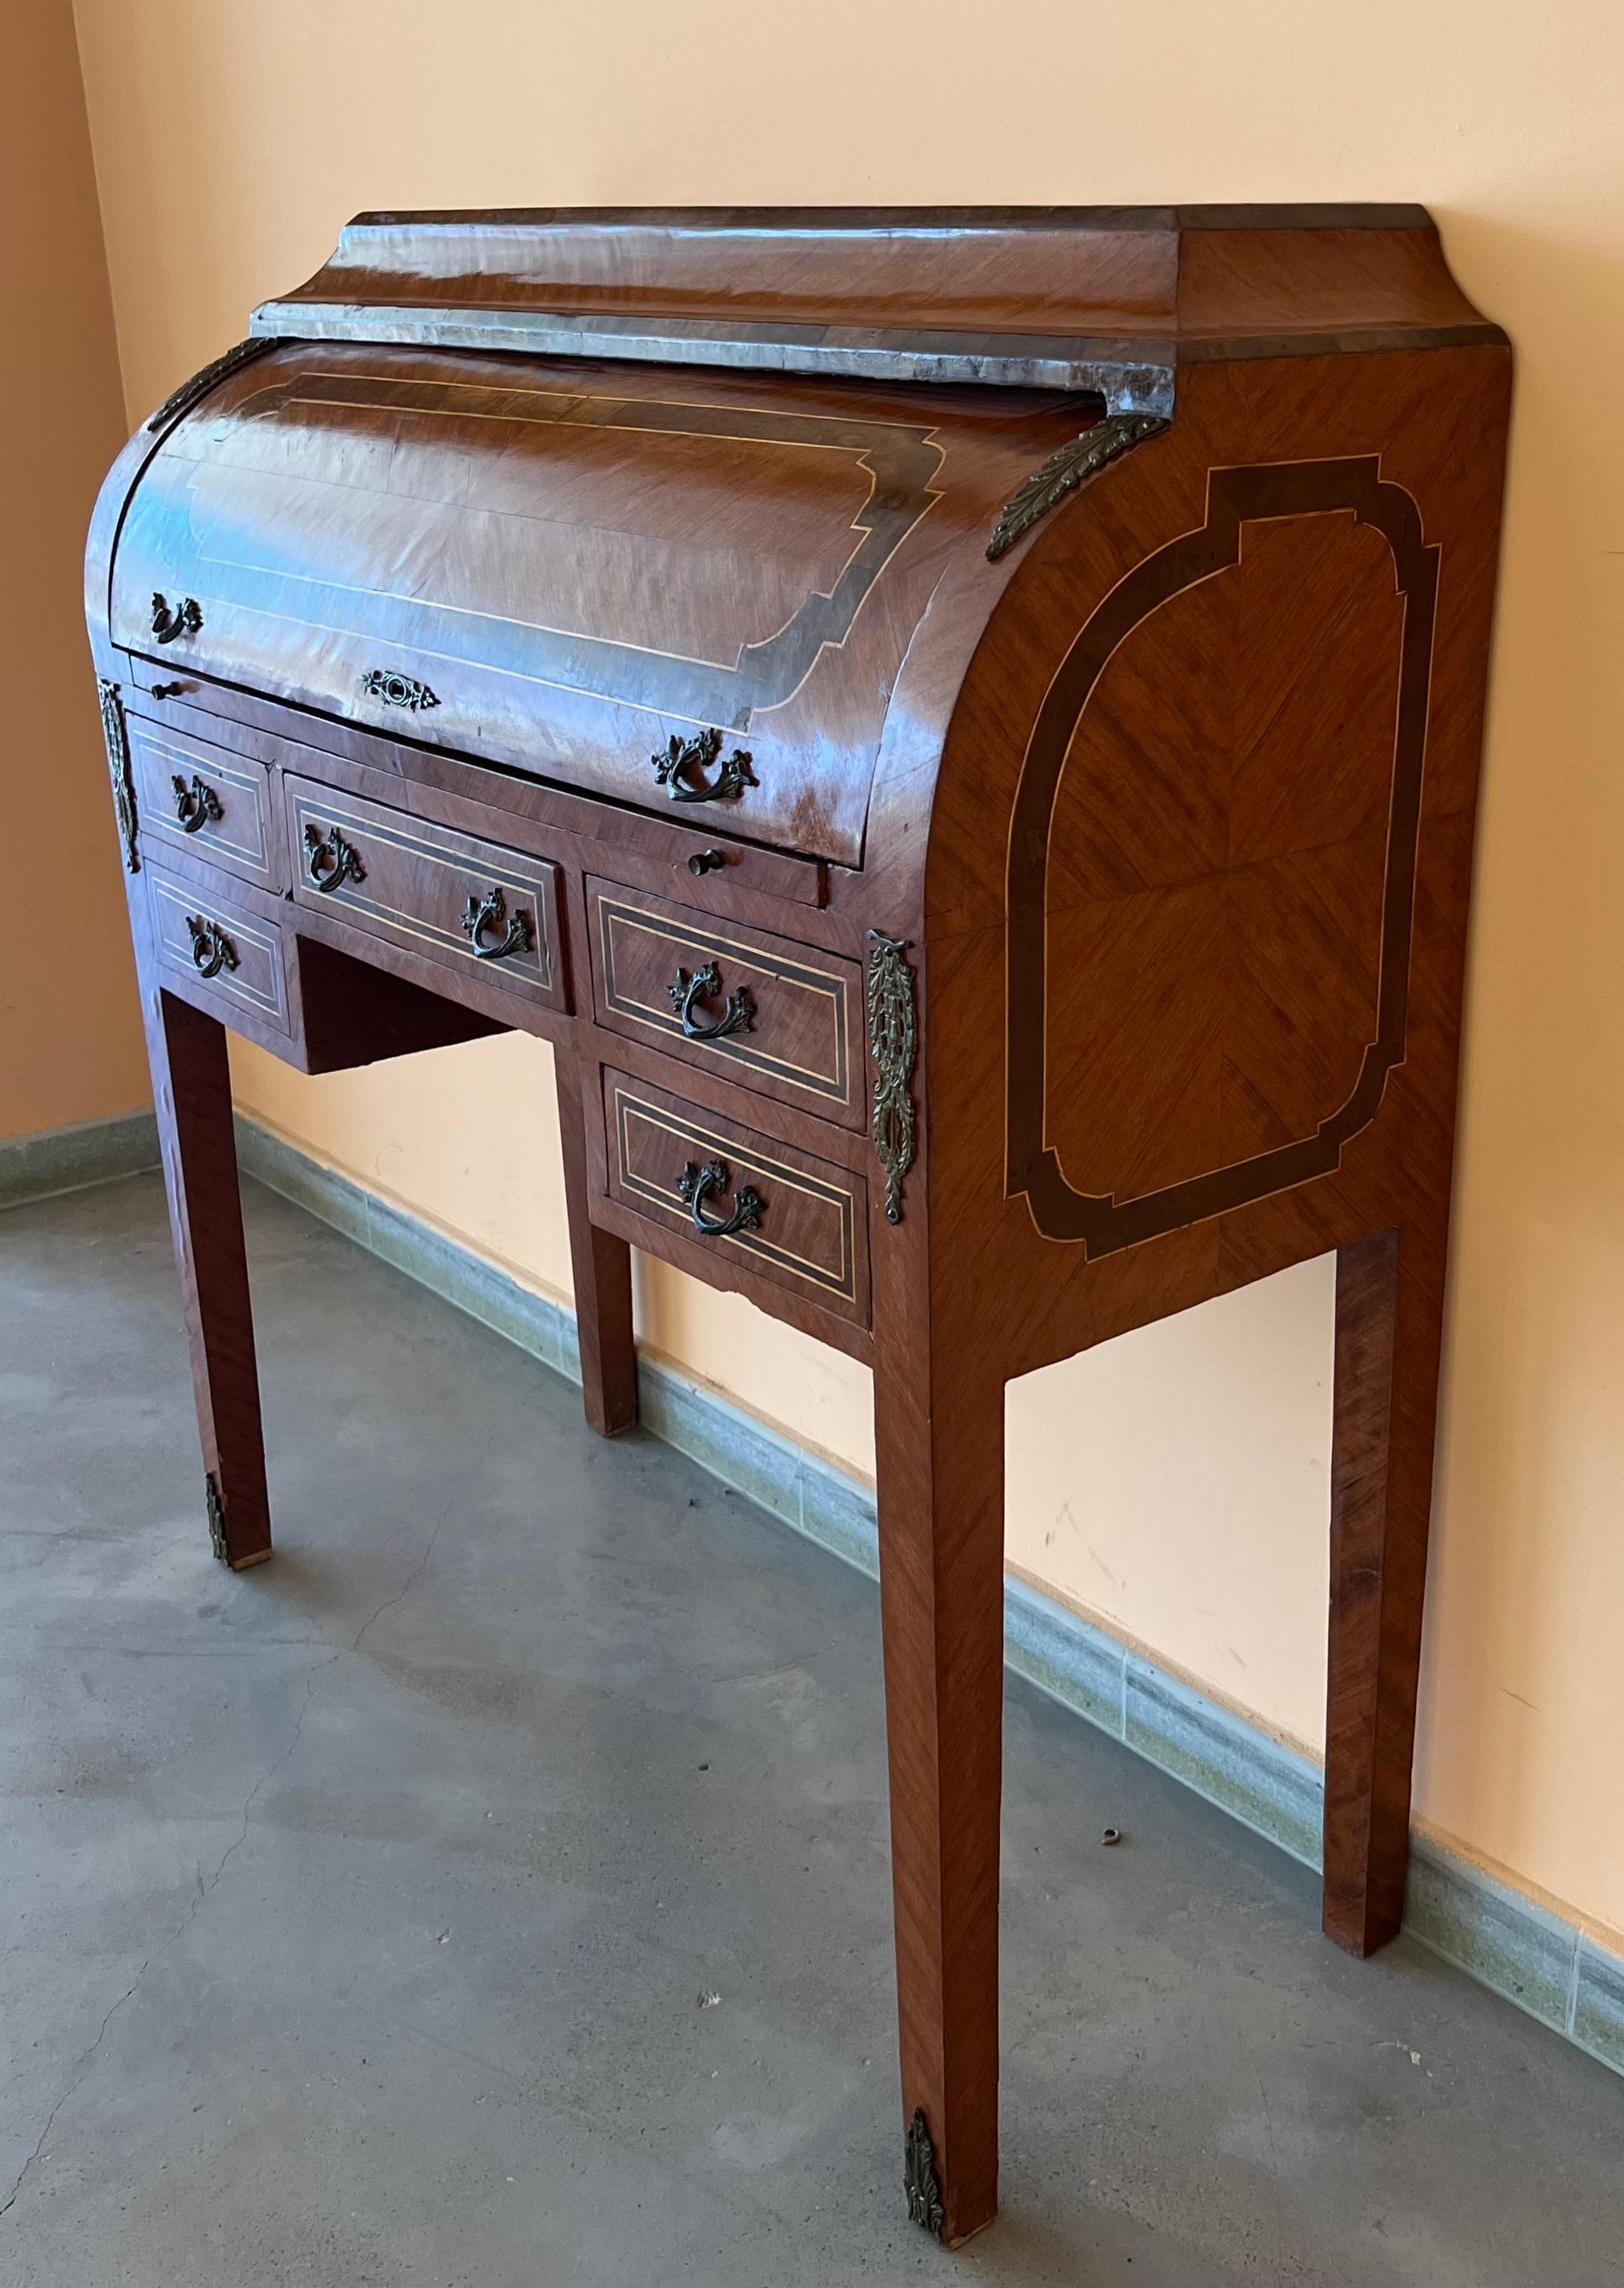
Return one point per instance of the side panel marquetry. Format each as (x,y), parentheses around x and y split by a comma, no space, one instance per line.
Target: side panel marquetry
(1213,859)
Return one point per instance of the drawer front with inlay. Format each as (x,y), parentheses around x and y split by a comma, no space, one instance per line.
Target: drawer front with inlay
(773,1016)
(429,890)
(203,932)
(799,1222)
(191,795)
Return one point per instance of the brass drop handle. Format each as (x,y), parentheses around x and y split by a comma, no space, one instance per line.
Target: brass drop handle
(685,991)
(211,949)
(332,860)
(695,1182)
(184,620)
(681,769)
(491,912)
(197,806)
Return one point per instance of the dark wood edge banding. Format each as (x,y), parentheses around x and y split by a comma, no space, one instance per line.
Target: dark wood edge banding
(1360,341)
(1354,214)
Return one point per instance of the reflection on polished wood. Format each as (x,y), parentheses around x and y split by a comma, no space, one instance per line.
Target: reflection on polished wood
(984,892)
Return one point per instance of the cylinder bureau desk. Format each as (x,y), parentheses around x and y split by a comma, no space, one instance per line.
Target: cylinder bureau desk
(962,729)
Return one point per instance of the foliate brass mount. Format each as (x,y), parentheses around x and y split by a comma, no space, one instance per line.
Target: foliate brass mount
(332,860)
(893,1045)
(924,2195)
(396,690)
(695,1184)
(214,1505)
(680,769)
(1063,471)
(183,619)
(685,991)
(182,399)
(195,805)
(490,912)
(118,769)
(211,949)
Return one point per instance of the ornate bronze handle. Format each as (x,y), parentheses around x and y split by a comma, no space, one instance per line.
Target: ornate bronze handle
(686,990)
(332,860)
(211,949)
(197,805)
(185,620)
(491,912)
(679,770)
(691,1187)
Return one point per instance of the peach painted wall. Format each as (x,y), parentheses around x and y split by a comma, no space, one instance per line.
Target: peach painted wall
(70,1028)
(1174,1485)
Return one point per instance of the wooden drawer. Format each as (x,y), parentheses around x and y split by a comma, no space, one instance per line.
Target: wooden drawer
(422,887)
(213,939)
(195,797)
(790,1013)
(802,1223)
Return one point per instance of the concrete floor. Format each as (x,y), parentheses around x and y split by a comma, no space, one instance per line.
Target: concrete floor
(356,1910)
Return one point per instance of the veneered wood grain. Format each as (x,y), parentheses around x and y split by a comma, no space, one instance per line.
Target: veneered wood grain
(740,556)
(355,1012)
(251,979)
(600,1265)
(1436,423)
(1221,838)
(1203,859)
(417,885)
(801,1042)
(192,1096)
(1240,291)
(1388,1327)
(498,804)
(220,809)
(1028,268)
(809,1234)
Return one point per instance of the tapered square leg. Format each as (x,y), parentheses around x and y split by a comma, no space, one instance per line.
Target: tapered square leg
(601,1267)
(191,1092)
(940,1454)
(1388,1329)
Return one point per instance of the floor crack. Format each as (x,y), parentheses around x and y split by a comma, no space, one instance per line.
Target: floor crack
(84,2067)
(411,1580)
